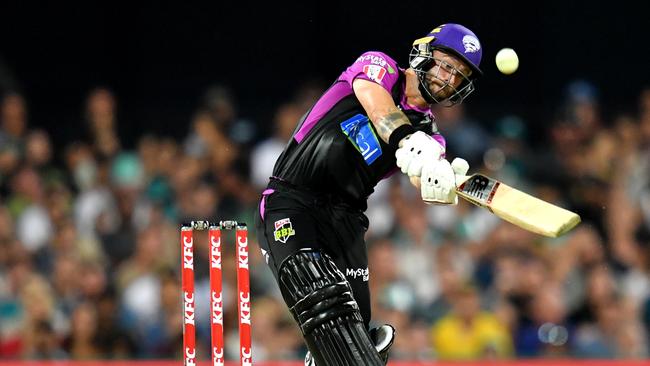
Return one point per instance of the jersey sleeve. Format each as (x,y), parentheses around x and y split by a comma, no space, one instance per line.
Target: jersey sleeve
(373,66)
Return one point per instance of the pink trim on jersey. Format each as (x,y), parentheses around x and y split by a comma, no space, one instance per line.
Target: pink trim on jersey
(373,66)
(441,140)
(334,95)
(266,193)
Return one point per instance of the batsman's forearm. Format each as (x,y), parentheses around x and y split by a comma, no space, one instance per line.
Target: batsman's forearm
(385,124)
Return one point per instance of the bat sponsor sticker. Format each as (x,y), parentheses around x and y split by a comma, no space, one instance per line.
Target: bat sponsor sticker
(480,188)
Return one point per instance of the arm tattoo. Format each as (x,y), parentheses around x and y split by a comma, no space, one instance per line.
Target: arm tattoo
(387,124)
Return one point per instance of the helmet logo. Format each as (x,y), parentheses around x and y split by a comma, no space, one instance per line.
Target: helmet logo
(471,44)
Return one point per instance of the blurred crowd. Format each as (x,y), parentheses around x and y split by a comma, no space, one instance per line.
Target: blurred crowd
(90,252)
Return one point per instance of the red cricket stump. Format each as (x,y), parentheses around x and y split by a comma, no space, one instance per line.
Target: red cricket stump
(216,297)
(216,292)
(187,280)
(244,305)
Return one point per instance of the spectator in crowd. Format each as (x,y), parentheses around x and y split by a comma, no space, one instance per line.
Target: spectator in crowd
(101,122)
(45,344)
(467,333)
(82,342)
(160,337)
(267,151)
(221,104)
(13,126)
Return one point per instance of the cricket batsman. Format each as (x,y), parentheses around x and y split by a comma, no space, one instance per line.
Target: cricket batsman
(373,120)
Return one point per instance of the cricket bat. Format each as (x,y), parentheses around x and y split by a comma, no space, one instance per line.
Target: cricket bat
(517,207)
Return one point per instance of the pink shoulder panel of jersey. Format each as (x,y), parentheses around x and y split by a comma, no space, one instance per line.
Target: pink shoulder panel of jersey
(373,66)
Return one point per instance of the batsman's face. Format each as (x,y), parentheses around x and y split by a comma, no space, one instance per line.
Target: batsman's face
(447,74)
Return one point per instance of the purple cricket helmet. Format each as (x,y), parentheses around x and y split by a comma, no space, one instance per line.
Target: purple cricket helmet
(460,41)
(457,40)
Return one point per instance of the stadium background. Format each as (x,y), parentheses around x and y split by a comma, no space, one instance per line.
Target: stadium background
(188,95)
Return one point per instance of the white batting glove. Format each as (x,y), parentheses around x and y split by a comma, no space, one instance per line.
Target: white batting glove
(438,181)
(417,150)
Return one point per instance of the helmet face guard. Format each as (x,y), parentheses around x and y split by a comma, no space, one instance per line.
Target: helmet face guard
(452,39)
(428,67)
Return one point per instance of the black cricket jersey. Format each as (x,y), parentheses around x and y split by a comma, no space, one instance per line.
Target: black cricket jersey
(335,149)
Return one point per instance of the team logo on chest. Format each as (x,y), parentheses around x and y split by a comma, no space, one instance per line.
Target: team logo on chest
(283,230)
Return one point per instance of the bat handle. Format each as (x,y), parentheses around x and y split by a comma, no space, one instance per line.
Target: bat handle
(415,180)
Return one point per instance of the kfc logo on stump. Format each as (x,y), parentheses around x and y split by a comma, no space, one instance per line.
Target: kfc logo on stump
(215,252)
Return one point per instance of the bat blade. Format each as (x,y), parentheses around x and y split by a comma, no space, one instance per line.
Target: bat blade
(517,207)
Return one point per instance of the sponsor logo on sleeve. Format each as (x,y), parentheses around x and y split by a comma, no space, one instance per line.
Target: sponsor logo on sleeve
(373,59)
(374,72)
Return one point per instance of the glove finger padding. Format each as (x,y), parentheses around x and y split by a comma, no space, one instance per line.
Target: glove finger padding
(417,149)
(438,183)
(460,167)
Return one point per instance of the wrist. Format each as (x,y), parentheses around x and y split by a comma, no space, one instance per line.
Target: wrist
(399,134)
